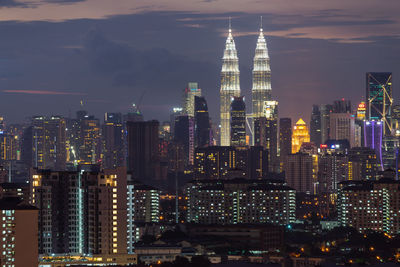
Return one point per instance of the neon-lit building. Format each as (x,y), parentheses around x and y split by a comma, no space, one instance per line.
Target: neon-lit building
(230,87)
(379,98)
(361,111)
(373,134)
(300,135)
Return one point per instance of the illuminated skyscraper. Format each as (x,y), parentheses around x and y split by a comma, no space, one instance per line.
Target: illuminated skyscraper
(49,138)
(261,90)
(300,135)
(230,86)
(90,145)
(266,133)
(379,98)
(2,124)
(189,94)
(238,122)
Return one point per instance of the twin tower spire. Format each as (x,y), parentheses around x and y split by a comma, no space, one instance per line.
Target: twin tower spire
(230,82)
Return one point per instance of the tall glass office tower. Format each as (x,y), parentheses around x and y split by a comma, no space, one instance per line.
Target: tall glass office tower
(379,98)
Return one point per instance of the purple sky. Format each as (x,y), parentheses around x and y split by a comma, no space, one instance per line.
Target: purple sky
(54,53)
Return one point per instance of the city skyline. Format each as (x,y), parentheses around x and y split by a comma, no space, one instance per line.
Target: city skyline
(100,58)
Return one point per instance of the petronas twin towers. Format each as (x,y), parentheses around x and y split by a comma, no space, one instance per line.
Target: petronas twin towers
(230,82)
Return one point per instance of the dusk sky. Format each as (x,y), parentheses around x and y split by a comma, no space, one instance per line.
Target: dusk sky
(54,53)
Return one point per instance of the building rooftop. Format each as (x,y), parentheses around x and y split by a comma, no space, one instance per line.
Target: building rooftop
(15,203)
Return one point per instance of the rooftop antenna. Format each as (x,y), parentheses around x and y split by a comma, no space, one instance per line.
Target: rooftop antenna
(230,25)
(261,25)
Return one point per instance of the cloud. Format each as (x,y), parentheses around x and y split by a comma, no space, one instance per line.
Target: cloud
(193,25)
(11,3)
(64,1)
(41,92)
(129,66)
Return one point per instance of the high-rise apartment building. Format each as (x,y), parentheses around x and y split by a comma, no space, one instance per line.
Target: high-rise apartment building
(300,135)
(113,141)
(202,130)
(285,140)
(52,192)
(238,122)
(18,233)
(332,169)
(191,91)
(49,142)
(370,205)
(379,98)
(299,172)
(93,217)
(230,86)
(103,213)
(143,206)
(143,156)
(240,201)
